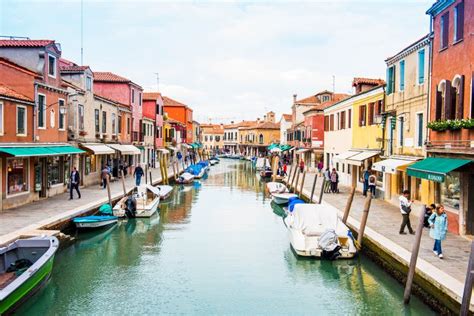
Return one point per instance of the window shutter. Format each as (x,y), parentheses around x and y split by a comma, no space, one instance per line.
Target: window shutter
(349,117)
(472,95)
(421,66)
(370,119)
(446,30)
(448,101)
(460,100)
(389,81)
(393,78)
(460,21)
(439,105)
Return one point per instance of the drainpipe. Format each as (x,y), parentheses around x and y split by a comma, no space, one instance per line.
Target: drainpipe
(430,66)
(383,126)
(35,107)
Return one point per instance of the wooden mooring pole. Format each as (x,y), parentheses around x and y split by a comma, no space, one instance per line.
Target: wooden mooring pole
(293,178)
(365,215)
(108,190)
(146,175)
(295,188)
(288,176)
(467,293)
(123,183)
(414,256)
(302,184)
(322,191)
(151,179)
(348,205)
(313,188)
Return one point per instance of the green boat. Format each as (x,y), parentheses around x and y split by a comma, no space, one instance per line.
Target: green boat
(25,265)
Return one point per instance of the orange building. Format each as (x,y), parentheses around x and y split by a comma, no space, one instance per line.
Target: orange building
(182,113)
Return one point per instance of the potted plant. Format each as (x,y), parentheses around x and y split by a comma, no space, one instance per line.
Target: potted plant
(468,123)
(438,126)
(454,125)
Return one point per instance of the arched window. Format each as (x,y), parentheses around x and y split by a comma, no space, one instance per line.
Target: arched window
(458,96)
(449,99)
(205,138)
(260,139)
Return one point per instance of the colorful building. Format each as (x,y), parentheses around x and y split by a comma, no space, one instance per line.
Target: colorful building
(258,136)
(213,137)
(231,140)
(182,113)
(285,125)
(153,111)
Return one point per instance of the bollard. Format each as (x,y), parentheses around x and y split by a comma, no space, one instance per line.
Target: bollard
(151,179)
(123,183)
(414,257)
(348,205)
(363,221)
(313,188)
(322,191)
(146,174)
(302,184)
(295,187)
(108,191)
(467,293)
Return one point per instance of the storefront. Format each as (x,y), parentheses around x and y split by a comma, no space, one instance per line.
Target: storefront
(445,178)
(125,154)
(96,156)
(357,164)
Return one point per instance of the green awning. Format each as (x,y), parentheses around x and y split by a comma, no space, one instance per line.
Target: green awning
(435,169)
(285,147)
(40,151)
(272,146)
(140,147)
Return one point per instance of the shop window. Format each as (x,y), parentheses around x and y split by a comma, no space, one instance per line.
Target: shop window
(87,167)
(17,176)
(56,170)
(450,190)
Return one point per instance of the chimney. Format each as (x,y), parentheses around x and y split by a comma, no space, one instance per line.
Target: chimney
(264,118)
(294,98)
(231,122)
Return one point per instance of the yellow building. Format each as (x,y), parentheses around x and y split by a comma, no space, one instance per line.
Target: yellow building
(212,137)
(257,137)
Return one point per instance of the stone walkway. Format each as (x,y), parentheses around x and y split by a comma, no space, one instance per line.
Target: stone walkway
(45,212)
(385,219)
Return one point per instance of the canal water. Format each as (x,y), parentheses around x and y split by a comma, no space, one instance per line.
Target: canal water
(217,247)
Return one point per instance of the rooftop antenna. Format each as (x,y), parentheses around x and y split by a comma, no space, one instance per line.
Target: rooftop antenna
(82,32)
(157,81)
(333,84)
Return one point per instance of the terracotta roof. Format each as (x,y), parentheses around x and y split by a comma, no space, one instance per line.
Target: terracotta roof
(109,77)
(369,81)
(309,100)
(9,93)
(151,95)
(336,98)
(170,102)
(213,128)
(263,125)
(287,117)
(25,43)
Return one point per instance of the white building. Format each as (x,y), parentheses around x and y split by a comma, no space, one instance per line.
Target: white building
(285,125)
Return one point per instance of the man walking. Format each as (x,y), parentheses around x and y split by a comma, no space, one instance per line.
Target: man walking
(405,209)
(138,173)
(74,183)
(334,180)
(104,175)
(366,176)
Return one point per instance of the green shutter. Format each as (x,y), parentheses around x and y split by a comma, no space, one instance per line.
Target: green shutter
(421,66)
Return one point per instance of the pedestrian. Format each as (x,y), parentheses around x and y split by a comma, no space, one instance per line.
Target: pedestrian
(285,168)
(301,165)
(74,183)
(372,184)
(104,174)
(430,209)
(320,168)
(405,209)
(334,180)
(439,227)
(366,176)
(327,181)
(138,173)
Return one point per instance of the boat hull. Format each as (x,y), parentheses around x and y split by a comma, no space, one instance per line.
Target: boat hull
(96,224)
(149,210)
(281,199)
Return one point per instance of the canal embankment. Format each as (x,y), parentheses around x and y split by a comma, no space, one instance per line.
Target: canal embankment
(439,282)
(53,215)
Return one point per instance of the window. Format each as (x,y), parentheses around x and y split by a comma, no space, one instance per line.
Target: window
(419,129)
(61,115)
(349,118)
(260,139)
(338,121)
(52,66)
(80,112)
(205,138)
(140,98)
(390,80)
(371,117)
(401,126)
(402,75)
(88,83)
(114,131)
(421,66)
(458,97)
(119,125)
(133,95)
(218,138)
(210,138)
(55,169)
(326,123)
(325,98)
(41,111)
(104,122)
(87,168)
(1,118)
(379,107)
(52,118)
(21,120)
(331,122)
(17,176)
(128,125)
(450,190)
(342,124)
(444,29)
(97,121)
(459,22)
(362,115)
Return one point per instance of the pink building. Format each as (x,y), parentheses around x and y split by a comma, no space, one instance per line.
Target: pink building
(126,92)
(153,108)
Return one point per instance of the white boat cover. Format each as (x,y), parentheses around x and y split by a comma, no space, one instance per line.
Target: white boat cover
(276,187)
(260,164)
(164,189)
(315,219)
(142,189)
(187,176)
(286,196)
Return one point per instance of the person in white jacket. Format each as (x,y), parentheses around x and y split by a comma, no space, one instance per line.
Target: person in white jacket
(405,209)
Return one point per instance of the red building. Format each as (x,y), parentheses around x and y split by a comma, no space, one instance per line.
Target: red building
(181,113)
(153,109)
(451,132)
(34,155)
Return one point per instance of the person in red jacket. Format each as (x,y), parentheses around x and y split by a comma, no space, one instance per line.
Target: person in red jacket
(301,165)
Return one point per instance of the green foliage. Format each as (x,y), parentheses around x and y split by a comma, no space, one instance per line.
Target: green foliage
(452,125)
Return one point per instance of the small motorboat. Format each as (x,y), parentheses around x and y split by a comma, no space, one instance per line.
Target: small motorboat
(143,202)
(165,191)
(267,173)
(276,187)
(213,162)
(25,265)
(315,230)
(282,198)
(104,218)
(185,178)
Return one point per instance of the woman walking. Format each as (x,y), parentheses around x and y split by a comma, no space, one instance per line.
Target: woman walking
(439,226)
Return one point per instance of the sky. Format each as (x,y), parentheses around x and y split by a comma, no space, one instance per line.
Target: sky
(228,60)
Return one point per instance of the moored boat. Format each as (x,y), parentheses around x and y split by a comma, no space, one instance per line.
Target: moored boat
(104,218)
(143,202)
(276,187)
(315,230)
(185,178)
(25,265)
(165,191)
(282,198)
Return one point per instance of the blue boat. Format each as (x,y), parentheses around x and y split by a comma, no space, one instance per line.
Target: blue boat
(104,218)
